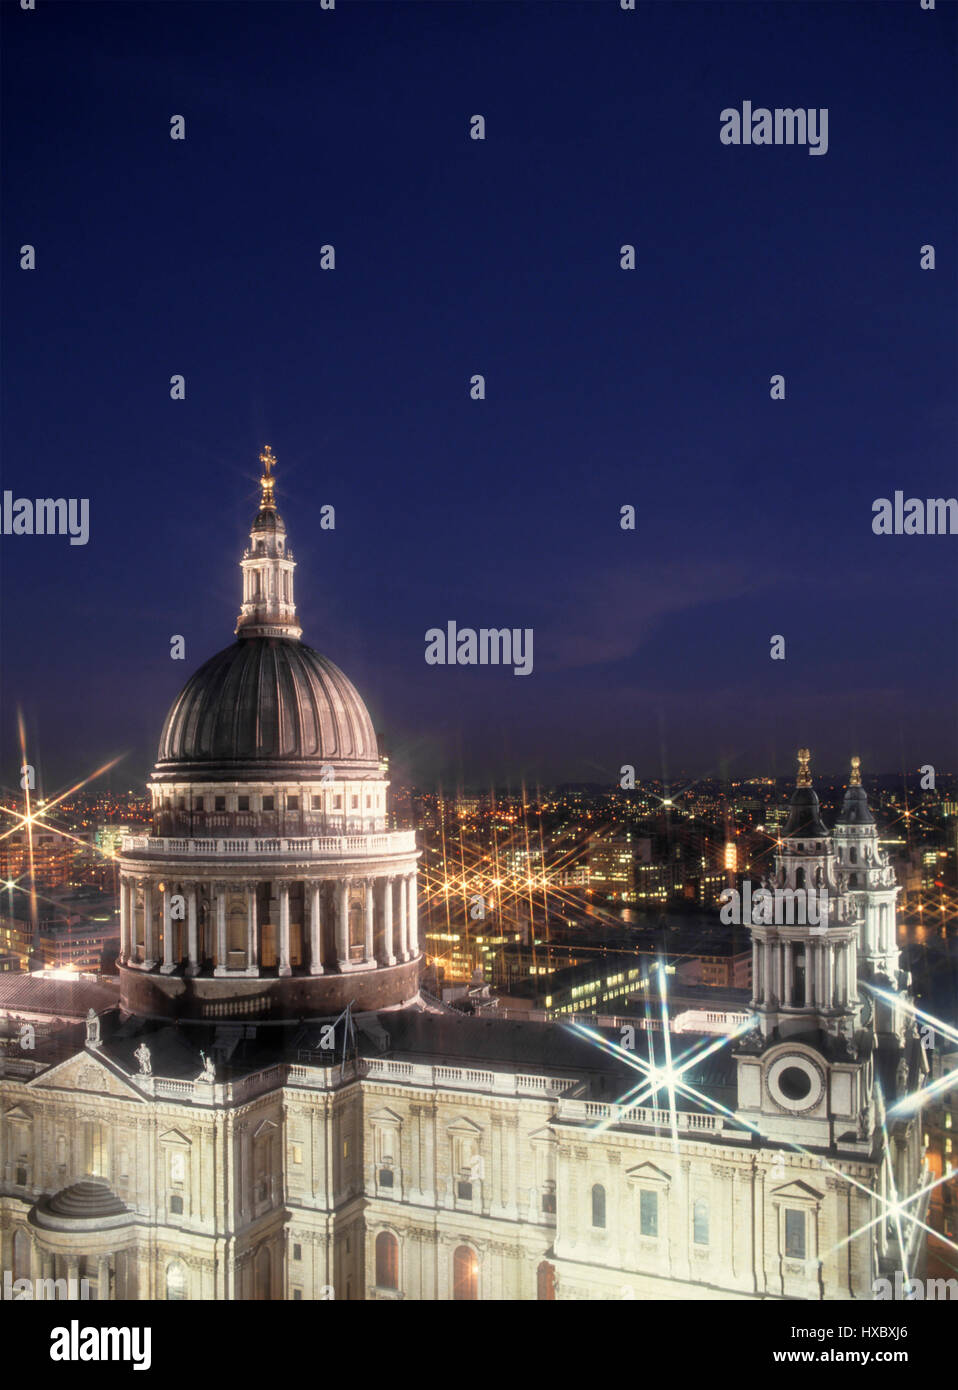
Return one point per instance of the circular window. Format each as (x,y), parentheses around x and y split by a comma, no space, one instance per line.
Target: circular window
(794,1083)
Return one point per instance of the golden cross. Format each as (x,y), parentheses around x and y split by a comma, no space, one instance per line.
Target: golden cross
(266,458)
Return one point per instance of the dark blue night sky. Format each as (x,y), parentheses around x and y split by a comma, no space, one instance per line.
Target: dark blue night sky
(604,387)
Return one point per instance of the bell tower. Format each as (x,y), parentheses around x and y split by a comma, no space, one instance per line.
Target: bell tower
(805,1072)
(805,943)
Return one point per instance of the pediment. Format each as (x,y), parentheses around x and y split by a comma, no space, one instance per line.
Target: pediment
(796,1191)
(173,1136)
(18,1113)
(264,1127)
(85,1073)
(463,1126)
(648,1172)
(386,1117)
(545,1135)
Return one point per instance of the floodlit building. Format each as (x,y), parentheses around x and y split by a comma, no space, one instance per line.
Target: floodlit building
(275,1110)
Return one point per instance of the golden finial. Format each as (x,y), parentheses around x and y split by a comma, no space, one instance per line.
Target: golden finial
(804,777)
(856,778)
(267,481)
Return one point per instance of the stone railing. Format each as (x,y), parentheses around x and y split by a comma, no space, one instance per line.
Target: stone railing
(591,1112)
(250,847)
(465,1078)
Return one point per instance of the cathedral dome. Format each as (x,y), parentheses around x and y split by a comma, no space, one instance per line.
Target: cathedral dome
(261,702)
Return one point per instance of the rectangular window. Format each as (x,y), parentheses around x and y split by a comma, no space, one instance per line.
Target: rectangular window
(355,803)
(269,803)
(385,1177)
(317,801)
(338,803)
(648,1213)
(369,802)
(176,1205)
(220,803)
(794,1234)
(297,1252)
(345,1148)
(297,1295)
(292,803)
(242,803)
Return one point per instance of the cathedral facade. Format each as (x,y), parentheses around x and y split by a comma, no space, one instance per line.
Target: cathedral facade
(275,1111)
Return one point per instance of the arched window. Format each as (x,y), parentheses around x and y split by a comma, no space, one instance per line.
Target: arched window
(799,878)
(700,1222)
(387,1261)
(175,1282)
(465,1274)
(853,855)
(598,1206)
(546,1282)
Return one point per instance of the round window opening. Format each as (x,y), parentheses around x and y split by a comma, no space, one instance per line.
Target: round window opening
(794,1083)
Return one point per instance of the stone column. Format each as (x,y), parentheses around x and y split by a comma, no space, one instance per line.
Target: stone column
(252,951)
(403,920)
(219,890)
(342,921)
(192,946)
(124,922)
(103,1278)
(169,965)
(413,917)
(388,945)
(789,973)
(852,969)
(808,973)
(756,957)
(829,976)
(284,965)
(315,930)
(369,953)
(149,952)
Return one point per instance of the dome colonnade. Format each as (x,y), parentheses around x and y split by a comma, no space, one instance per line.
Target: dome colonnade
(270,878)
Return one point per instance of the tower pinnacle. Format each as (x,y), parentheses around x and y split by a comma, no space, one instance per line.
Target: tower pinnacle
(267,481)
(804,778)
(269,609)
(856,778)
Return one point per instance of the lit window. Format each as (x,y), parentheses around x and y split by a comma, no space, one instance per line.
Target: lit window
(465,1274)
